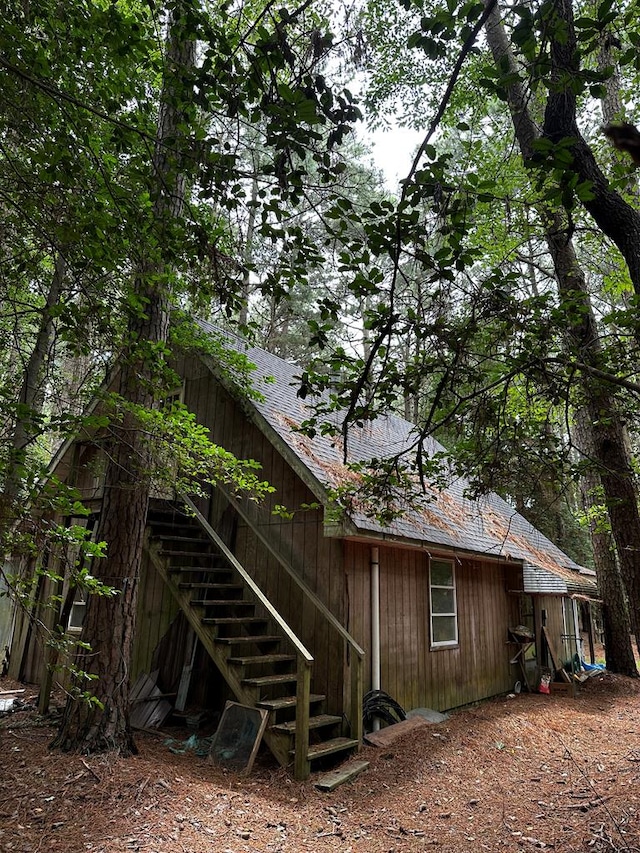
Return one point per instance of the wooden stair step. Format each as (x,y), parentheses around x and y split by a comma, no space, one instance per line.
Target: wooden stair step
(170,524)
(178,539)
(220,602)
(266,680)
(257,659)
(217,590)
(328,747)
(316,722)
(162,506)
(287,702)
(203,569)
(167,529)
(172,552)
(245,640)
(233,620)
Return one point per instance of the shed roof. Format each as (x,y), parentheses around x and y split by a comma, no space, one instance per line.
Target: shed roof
(441,518)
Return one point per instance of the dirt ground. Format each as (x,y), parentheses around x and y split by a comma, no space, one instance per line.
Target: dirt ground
(522,773)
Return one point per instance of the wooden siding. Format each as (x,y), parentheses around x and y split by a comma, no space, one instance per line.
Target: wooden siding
(29,637)
(87,472)
(156,610)
(412,673)
(548,612)
(300,539)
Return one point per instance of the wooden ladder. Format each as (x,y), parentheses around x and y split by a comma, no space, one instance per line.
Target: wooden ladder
(257,653)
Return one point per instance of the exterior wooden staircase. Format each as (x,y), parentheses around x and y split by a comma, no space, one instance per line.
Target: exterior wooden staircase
(259,656)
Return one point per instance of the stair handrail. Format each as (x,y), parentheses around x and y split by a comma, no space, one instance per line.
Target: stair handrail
(356,650)
(302,766)
(301,650)
(304,659)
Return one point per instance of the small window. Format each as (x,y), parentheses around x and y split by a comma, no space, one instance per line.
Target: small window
(76,617)
(166,468)
(173,397)
(444,611)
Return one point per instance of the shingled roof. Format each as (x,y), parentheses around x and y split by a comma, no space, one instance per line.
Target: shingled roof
(444,519)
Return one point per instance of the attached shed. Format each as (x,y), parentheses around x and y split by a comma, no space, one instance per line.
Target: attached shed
(303,610)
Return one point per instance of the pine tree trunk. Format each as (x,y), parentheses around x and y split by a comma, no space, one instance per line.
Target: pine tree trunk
(111,621)
(607,441)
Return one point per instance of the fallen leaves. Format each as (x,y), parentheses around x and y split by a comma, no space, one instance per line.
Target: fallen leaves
(567,780)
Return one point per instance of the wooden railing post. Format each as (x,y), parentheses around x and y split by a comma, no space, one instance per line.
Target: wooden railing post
(356,697)
(302,768)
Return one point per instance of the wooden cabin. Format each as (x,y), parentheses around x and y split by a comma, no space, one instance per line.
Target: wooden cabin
(302,611)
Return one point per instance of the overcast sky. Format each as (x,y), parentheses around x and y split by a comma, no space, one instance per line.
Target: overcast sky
(393,151)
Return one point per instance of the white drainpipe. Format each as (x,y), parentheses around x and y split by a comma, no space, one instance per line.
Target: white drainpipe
(375,625)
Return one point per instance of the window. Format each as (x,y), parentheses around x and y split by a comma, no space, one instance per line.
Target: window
(444,612)
(166,467)
(76,617)
(175,396)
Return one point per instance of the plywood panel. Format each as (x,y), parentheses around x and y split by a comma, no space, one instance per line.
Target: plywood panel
(409,623)
(358,620)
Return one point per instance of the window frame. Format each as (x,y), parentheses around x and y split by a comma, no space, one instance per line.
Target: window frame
(159,489)
(443,644)
(79,606)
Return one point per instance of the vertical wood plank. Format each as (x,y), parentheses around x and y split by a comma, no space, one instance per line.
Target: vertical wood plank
(302,766)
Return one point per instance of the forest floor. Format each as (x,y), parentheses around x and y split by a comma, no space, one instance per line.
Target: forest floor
(512,774)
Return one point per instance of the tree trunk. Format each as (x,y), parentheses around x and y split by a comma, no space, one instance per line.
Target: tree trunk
(111,620)
(615,613)
(607,437)
(30,402)
(613,215)
(610,103)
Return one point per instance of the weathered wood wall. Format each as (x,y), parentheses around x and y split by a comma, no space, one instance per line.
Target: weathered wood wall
(77,467)
(300,540)
(156,610)
(412,673)
(30,636)
(548,611)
